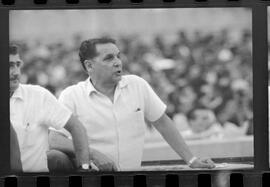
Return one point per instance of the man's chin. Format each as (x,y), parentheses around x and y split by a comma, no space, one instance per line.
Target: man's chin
(118,78)
(13,86)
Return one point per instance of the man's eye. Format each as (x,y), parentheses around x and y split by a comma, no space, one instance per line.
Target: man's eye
(19,64)
(11,64)
(15,64)
(109,58)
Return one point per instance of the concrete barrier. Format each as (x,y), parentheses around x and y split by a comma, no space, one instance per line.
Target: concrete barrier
(157,149)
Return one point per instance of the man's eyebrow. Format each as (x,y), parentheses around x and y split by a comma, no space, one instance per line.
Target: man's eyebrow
(14,62)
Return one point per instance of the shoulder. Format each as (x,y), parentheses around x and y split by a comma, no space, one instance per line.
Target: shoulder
(133,80)
(74,89)
(33,89)
(36,93)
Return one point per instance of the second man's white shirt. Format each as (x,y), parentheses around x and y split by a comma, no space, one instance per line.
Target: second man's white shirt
(33,110)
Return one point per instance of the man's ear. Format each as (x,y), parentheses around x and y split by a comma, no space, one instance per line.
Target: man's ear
(88,64)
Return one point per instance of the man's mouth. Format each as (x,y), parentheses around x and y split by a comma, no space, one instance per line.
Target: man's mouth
(119,72)
(14,79)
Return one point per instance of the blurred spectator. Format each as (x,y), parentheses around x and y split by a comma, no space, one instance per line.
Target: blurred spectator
(203,124)
(238,108)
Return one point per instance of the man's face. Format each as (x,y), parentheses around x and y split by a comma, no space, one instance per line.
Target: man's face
(203,119)
(15,64)
(107,66)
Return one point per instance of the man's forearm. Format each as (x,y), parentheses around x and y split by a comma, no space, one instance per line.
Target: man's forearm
(60,142)
(80,140)
(170,133)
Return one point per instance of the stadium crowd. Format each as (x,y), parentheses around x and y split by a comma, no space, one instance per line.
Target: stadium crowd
(210,71)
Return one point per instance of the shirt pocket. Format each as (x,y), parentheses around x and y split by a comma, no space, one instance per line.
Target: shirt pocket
(136,119)
(31,135)
(138,116)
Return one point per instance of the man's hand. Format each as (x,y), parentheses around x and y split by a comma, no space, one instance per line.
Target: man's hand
(102,161)
(203,163)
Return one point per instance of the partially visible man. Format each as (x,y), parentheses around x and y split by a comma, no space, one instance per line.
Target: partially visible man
(33,110)
(113,108)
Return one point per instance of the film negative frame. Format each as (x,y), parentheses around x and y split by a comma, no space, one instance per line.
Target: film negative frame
(257,177)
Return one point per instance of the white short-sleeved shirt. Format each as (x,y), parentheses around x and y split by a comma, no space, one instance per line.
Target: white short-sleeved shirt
(33,110)
(117,128)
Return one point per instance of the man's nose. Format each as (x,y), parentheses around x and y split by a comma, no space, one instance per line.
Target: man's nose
(16,70)
(117,63)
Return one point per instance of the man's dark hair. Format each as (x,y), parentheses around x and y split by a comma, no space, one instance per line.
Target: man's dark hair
(88,48)
(13,49)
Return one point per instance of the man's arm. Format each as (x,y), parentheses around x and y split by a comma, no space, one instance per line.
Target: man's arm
(15,154)
(170,133)
(62,143)
(80,141)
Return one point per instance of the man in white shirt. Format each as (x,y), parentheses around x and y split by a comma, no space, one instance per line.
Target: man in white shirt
(33,110)
(113,108)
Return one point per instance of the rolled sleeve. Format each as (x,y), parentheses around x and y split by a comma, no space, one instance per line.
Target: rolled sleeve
(154,106)
(55,114)
(66,98)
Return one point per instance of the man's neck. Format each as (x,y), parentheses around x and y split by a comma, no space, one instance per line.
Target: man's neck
(11,93)
(105,88)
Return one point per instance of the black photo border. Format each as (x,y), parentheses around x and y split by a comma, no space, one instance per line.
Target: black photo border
(260,73)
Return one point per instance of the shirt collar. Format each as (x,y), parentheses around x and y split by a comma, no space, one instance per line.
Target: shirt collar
(90,88)
(18,93)
(122,83)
